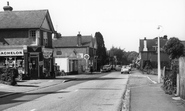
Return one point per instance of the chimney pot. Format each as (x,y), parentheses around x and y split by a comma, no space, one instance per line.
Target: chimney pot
(7,8)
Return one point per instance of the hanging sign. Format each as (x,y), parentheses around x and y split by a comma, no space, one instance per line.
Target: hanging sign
(47,53)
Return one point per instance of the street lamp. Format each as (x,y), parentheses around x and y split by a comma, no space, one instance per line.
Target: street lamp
(158,56)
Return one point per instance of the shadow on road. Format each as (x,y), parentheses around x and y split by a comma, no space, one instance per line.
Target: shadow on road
(13,98)
(18,85)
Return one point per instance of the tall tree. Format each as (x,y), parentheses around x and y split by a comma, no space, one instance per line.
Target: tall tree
(101,50)
(174,48)
(118,53)
(122,56)
(132,56)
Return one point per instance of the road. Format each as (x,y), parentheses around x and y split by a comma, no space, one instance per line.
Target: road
(96,94)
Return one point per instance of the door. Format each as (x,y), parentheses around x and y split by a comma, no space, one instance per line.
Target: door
(33,66)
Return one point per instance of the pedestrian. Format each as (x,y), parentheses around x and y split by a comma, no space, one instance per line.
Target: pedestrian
(91,69)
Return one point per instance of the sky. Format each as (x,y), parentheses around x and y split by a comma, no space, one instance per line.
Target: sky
(121,22)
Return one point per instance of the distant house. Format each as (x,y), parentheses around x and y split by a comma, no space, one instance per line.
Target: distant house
(80,52)
(26,41)
(148,52)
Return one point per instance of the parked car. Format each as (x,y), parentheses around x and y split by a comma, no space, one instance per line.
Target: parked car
(118,67)
(106,68)
(129,67)
(125,69)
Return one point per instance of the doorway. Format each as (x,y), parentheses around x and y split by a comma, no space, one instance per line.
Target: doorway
(33,67)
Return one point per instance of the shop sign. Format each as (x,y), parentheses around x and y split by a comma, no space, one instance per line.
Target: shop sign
(47,53)
(80,55)
(11,53)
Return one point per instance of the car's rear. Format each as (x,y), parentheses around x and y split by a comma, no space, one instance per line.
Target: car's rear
(125,69)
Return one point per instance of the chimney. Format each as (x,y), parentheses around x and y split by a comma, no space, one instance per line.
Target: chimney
(7,8)
(145,45)
(79,39)
(165,37)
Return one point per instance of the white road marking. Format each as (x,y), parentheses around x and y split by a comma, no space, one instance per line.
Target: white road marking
(151,80)
(50,81)
(33,110)
(76,90)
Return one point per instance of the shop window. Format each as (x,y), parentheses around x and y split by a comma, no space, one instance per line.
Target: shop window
(45,39)
(2,62)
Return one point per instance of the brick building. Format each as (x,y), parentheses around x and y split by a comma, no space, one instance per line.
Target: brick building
(75,49)
(148,52)
(26,41)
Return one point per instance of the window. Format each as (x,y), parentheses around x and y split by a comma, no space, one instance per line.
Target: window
(58,53)
(45,39)
(32,35)
(38,37)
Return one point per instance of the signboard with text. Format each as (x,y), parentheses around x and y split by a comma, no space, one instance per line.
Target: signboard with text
(17,52)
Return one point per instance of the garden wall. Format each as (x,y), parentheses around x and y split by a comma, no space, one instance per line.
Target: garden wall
(182,76)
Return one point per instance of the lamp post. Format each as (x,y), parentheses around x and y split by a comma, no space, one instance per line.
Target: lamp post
(158,55)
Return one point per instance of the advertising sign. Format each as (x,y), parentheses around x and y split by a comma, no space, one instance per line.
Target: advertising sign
(17,52)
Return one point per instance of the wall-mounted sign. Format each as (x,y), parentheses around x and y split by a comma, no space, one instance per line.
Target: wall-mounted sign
(18,52)
(47,52)
(80,55)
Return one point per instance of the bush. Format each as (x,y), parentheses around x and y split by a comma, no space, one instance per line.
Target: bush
(169,84)
(8,76)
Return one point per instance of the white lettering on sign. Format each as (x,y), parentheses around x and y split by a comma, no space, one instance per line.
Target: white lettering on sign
(11,53)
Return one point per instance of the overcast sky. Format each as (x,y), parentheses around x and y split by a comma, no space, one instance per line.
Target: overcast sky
(121,22)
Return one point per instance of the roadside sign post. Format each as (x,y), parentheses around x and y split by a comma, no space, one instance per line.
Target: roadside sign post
(86,57)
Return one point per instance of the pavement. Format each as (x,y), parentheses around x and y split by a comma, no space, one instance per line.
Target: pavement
(31,85)
(151,97)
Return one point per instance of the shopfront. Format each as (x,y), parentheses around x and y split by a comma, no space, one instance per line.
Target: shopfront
(34,57)
(13,57)
(40,62)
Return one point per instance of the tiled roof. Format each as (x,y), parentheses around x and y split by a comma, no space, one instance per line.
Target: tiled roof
(18,41)
(151,44)
(71,41)
(22,19)
(86,40)
(3,41)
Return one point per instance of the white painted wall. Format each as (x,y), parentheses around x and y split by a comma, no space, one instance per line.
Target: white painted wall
(63,63)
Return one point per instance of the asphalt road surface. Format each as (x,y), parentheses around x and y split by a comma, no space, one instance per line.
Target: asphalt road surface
(96,94)
(17,99)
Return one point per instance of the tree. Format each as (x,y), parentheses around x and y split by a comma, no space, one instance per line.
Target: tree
(122,56)
(132,56)
(101,50)
(116,53)
(174,48)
